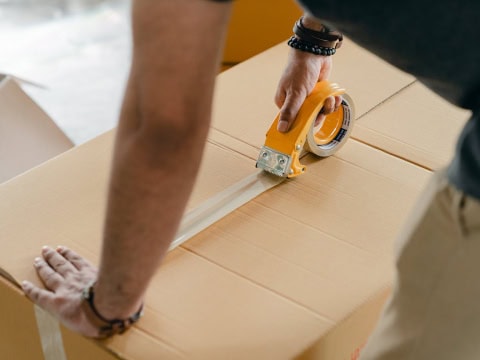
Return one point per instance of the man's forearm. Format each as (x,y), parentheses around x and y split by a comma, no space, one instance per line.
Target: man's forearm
(160,140)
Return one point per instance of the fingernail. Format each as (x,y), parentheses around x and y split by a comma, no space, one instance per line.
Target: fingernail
(37,261)
(282,126)
(25,284)
(60,248)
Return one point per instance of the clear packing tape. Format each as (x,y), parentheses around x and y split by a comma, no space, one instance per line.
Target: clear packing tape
(279,156)
(278,159)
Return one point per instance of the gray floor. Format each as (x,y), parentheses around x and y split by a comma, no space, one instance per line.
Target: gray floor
(77,50)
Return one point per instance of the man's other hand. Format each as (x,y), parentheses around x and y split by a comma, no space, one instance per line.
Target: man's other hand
(65,275)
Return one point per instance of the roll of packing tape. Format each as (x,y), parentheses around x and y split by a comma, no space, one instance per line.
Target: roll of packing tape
(329,136)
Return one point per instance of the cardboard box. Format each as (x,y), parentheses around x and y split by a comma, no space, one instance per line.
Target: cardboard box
(267,281)
(301,271)
(252,29)
(415,125)
(28,136)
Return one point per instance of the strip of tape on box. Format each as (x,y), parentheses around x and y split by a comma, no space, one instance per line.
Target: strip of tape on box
(196,220)
(50,335)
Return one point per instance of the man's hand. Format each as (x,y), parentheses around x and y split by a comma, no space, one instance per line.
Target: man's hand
(303,71)
(177,47)
(65,274)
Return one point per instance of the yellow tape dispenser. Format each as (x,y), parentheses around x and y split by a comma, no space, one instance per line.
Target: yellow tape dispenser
(282,151)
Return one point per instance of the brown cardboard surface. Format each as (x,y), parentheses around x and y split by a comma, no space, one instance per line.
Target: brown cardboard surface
(347,340)
(18,331)
(28,136)
(319,232)
(301,256)
(194,298)
(73,199)
(45,190)
(275,278)
(415,125)
(19,337)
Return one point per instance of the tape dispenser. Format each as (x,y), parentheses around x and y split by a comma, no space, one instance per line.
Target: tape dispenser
(282,151)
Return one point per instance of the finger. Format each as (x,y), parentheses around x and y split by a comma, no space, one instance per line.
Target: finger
(280,97)
(319,121)
(76,260)
(328,105)
(289,110)
(57,261)
(44,298)
(325,69)
(50,277)
(338,102)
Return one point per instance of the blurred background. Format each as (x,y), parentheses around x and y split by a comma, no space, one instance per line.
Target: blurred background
(78,52)
(28,12)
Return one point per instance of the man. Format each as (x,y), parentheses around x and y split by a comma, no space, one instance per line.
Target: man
(432,313)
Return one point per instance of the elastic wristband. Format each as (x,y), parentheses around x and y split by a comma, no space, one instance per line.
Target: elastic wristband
(301,45)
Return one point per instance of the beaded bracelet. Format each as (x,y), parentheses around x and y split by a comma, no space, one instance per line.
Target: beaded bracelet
(299,44)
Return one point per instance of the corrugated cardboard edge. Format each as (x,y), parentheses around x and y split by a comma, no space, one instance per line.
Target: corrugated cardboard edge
(348,337)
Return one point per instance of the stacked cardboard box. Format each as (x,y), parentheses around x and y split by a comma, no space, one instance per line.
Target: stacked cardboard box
(255,26)
(301,271)
(27,135)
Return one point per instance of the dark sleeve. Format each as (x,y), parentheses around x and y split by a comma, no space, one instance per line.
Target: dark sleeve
(433,40)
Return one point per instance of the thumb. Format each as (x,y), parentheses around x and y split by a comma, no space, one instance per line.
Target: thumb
(289,110)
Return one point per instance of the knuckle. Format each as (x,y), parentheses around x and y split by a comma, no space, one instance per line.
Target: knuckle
(60,300)
(28,291)
(48,255)
(68,253)
(50,277)
(34,294)
(278,102)
(328,107)
(65,251)
(287,113)
(279,96)
(58,264)
(297,92)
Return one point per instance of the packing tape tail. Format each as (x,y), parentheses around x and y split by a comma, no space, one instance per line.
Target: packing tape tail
(223,203)
(50,335)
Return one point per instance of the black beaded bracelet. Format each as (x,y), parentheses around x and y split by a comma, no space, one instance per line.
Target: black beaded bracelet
(302,45)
